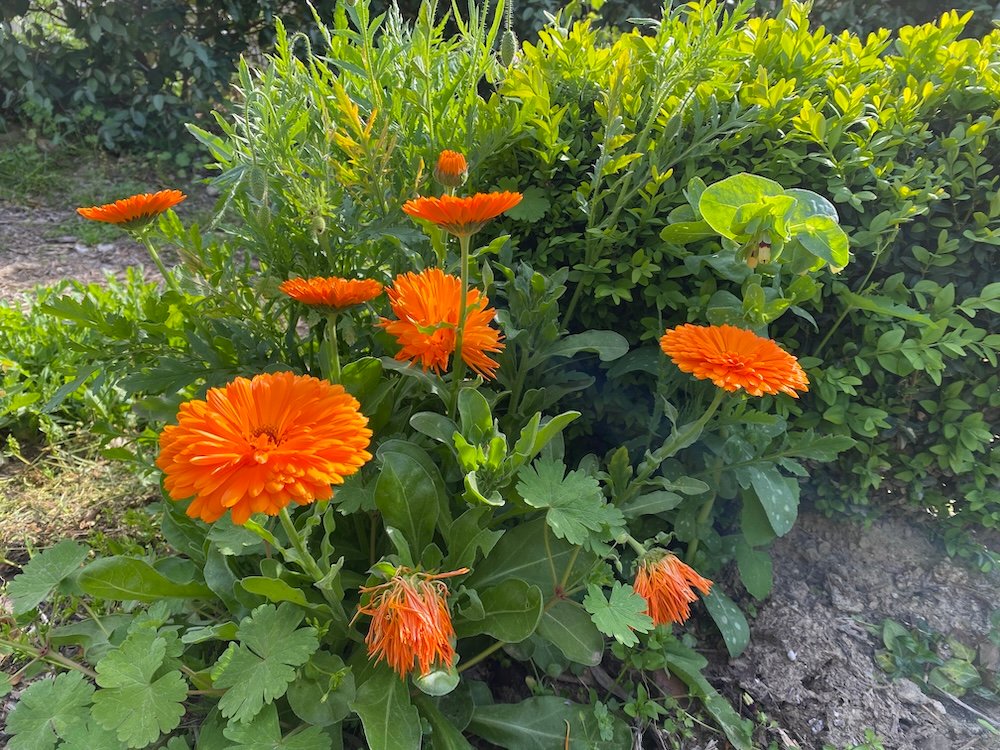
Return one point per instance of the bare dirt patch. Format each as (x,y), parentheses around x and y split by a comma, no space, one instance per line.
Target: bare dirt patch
(810,665)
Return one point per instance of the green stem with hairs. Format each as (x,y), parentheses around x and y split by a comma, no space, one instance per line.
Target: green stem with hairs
(52,657)
(305,559)
(167,276)
(331,340)
(458,366)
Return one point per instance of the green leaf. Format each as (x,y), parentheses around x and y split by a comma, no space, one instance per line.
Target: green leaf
(128,578)
(466,539)
(684,232)
(720,202)
(883,306)
(536,435)
(608,345)
(264,733)
(755,570)
(444,734)
(543,724)
(778,495)
(687,665)
(406,494)
(273,589)
(533,206)
(474,413)
(43,574)
(323,691)
(49,709)
(259,669)
(729,620)
(824,238)
(522,553)
(658,501)
(389,719)
(92,736)
(570,629)
(512,611)
(575,504)
(753,521)
(620,615)
(136,706)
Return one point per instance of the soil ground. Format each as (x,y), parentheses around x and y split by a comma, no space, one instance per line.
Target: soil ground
(809,677)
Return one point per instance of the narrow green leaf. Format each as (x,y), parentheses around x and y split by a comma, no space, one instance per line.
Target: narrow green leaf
(132,579)
(389,719)
(543,724)
(729,619)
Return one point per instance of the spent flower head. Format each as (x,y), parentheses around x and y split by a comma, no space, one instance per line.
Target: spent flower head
(667,584)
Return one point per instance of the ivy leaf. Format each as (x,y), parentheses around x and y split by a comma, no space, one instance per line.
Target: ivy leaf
(259,669)
(621,615)
(132,703)
(49,709)
(44,573)
(576,507)
(264,733)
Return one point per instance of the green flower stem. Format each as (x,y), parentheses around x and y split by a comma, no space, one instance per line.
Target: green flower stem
(569,569)
(634,543)
(52,657)
(167,276)
(485,653)
(331,340)
(458,366)
(699,424)
(305,559)
(706,509)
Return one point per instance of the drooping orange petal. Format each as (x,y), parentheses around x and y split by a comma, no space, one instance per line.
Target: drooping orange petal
(427,305)
(734,358)
(411,622)
(331,293)
(134,210)
(462,216)
(667,585)
(257,445)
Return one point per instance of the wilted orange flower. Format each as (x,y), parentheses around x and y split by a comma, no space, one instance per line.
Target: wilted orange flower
(462,217)
(134,211)
(734,358)
(427,305)
(667,586)
(451,169)
(410,621)
(331,293)
(257,445)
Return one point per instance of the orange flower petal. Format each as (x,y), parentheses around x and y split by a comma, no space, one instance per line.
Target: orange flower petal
(734,358)
(462,216)
(332,293)
(427,306)
(667,585)
(410,622)
(257,445)
(135,210)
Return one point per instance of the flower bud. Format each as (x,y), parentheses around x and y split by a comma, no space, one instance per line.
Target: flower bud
(451,169)
(508,47)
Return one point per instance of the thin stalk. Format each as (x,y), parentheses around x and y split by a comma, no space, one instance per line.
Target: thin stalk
(305,559)
(331,340)
(634,543)
(485,653)
(458,366)
(522,373)
(52,657)
(167,276)
(652,466)
(95,618)
(706,509)
(569,569)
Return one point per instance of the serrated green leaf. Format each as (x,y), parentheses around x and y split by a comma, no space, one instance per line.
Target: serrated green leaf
(533,206)
(49,709)
(131,702)
(620,615)
(264,733)
(576,510)
(259,669)
(43,574)
(730,621)
(93,736)
(389,719)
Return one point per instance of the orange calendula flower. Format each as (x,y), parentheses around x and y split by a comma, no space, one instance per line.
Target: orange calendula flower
(667,585)
(427,305)
(410,622)
(734,358)
(134,211)
(257,445)
(331,293)
(462,217)
(451,169)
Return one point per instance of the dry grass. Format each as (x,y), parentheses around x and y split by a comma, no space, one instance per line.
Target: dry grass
(68,495)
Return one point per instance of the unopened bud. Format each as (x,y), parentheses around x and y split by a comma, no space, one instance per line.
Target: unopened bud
(451,169)
(508,47)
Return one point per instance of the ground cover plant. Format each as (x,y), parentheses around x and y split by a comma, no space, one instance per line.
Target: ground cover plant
(394,377)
